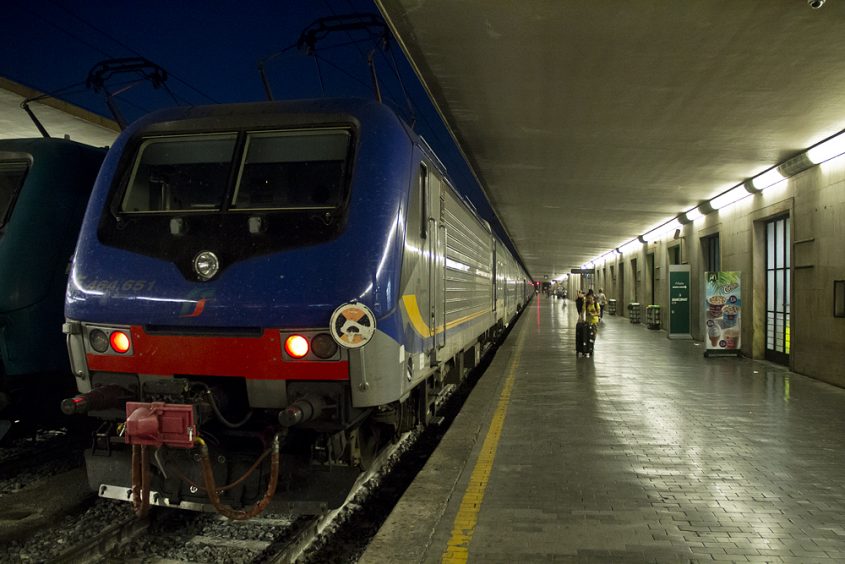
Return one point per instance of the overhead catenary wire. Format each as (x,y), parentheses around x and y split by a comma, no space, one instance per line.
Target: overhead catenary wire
(408,101)
(452,140)
(371,38)
(391,96)
(344,71)
(64,30)
(56,92)
(132,50)
(317,31)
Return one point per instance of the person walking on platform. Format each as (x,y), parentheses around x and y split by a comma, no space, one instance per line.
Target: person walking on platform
(579,303)
(592,313)
(602,298)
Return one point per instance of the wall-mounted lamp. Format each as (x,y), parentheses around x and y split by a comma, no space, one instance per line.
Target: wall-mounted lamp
(652,235)
(631,246)
(826,150)
(693,214)
(768,178)
(729,197)
(657,233)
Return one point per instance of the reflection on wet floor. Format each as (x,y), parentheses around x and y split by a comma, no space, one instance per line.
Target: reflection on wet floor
(651,452)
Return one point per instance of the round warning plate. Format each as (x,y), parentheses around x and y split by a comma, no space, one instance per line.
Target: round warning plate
(353,325)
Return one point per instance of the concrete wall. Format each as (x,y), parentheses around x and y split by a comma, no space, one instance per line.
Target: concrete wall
(814,201)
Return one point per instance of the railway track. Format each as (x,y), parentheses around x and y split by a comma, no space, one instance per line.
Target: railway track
(95,548)
(33,453)
(188,537)
(175,536)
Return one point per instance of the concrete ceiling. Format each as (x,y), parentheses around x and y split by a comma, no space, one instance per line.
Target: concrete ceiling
(59,118)
(589,123)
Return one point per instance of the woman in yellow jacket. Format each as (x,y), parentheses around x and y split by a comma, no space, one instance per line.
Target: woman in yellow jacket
(592,312)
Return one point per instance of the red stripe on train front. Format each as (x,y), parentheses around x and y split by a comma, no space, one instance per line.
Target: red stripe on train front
(258,358)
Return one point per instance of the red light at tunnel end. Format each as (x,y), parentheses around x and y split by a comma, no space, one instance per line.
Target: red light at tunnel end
(119,341)
(296,346)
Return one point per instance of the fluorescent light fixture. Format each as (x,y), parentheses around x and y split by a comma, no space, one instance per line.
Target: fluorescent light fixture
(658,232)
(672,225)
(694,214)
(729,197)
(768,178)
(631,246)
(653,235)
(825,151)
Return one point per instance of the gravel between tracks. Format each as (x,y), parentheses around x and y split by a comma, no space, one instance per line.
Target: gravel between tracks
(48,542)
(202,537)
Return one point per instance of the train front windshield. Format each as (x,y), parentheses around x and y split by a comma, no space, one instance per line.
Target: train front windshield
(267,171)
(12,175)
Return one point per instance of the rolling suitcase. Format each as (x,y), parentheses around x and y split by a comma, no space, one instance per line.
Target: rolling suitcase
(580,332)
(585,336)
(590,339)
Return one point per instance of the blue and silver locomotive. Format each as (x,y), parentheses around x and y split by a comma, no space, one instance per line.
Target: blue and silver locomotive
(44,188)
(263,293)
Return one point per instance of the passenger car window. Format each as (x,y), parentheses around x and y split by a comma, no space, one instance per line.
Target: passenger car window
(12,175)
(184,173)
(292,170)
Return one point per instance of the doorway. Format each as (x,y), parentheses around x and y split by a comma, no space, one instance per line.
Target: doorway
(651,281)
(778,270)
(635,273)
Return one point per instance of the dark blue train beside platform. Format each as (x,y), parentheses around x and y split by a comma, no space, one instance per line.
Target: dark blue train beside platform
(264,294)
(44,188)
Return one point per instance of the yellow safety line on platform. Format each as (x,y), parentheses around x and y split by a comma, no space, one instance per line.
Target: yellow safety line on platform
(457,549)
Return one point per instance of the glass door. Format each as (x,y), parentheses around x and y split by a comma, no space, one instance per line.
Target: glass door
(778,261)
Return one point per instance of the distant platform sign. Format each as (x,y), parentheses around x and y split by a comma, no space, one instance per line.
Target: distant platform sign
(583,271)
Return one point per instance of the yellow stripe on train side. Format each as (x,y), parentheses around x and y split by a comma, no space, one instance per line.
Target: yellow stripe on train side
(413,310)
(420,326)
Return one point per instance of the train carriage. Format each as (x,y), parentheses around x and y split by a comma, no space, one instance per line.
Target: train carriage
(44,187)
(296,280)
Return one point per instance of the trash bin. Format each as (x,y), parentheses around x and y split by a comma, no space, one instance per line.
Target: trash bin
(634,313)
(611,307)
(652,316)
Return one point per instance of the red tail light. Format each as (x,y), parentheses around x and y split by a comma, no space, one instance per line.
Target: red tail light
(119,341)
(296,346)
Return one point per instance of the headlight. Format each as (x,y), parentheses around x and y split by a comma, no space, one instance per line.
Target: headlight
(323,346)
(99,340)
(119,342)
(296,346)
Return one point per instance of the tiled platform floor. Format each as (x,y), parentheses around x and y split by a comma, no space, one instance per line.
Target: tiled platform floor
(648,452)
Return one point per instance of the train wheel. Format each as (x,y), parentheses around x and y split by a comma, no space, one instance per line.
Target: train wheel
(5,425)
(408,417)
(369,443)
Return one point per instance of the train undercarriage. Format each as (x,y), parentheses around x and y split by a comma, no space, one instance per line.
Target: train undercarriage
(197,443)
(188,437)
